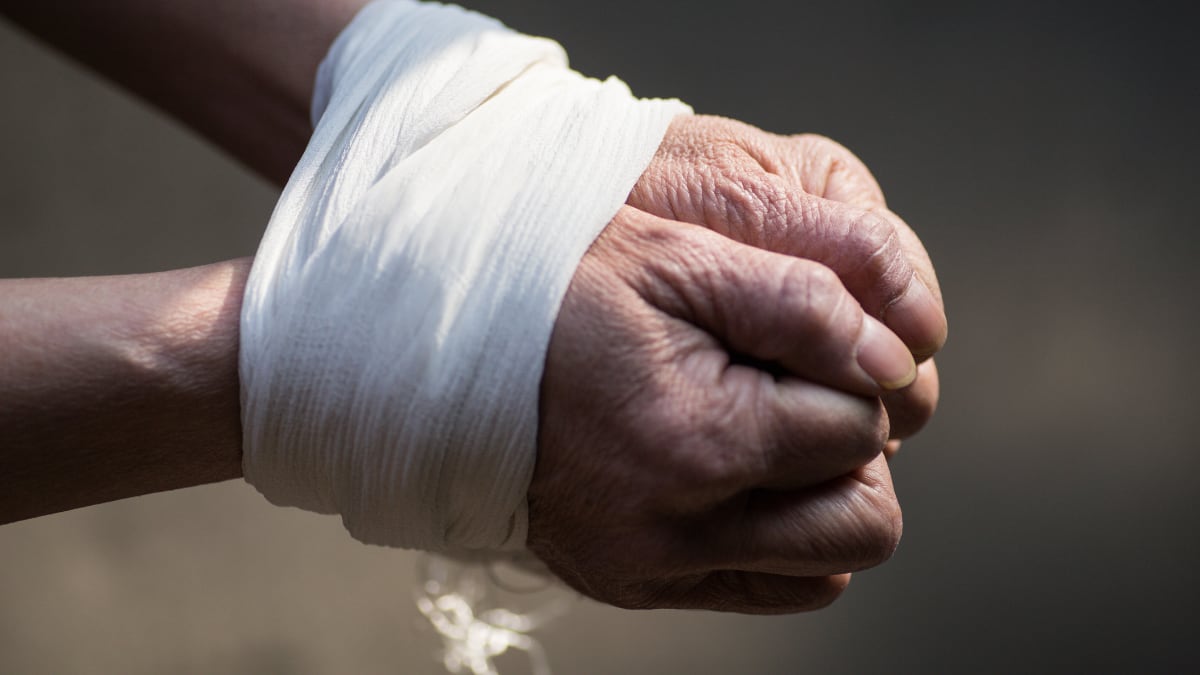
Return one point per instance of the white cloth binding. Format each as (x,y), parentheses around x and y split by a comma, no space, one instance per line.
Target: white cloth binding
(397,315)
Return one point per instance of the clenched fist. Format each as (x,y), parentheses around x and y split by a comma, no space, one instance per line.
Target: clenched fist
(809,197)
(728,365)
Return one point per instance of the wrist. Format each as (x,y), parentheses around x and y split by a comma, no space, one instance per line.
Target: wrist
(188,337)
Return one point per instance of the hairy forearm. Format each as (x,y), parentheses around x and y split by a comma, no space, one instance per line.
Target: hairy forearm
(113,387)
(240,72)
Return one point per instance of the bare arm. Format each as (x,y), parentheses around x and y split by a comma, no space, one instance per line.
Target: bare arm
(112,387)
(240,72)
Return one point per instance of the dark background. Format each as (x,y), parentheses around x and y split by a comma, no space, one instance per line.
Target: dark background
(1044,152)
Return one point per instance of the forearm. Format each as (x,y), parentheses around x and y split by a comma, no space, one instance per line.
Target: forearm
(240,72)
(113,387)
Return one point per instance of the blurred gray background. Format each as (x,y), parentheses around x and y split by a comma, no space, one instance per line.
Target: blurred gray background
(1045,153)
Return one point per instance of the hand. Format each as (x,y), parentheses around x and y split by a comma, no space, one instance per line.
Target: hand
(710,430)
(808,197)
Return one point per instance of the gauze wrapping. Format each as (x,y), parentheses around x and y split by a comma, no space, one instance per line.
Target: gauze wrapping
(397,316)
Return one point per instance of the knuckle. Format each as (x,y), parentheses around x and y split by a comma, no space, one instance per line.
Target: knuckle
(752,202)
(821,278)
(881,531)
(815,310)
(811,292)
(818,160)
(834,155)
(866,440)
(820,144)
(881,242)
(881,262)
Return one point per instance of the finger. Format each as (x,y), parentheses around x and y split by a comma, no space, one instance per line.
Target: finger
(824,168)
(909,409)
(821,167)
(757,593)
(809,434)
(747,430)
(770,308)
(864,247)
(867,249)
(849,524)
(892,447)
(746,188)
(922,266)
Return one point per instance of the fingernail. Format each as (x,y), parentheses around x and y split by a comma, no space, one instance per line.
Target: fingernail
(884,357)
(918,319)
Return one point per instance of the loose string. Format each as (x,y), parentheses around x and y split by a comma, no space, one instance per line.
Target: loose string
(464,602)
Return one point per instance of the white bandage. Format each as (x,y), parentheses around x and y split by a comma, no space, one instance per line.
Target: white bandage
(397,316)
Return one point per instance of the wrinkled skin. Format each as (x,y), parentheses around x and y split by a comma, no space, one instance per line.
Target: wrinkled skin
(712,434)
(809,197)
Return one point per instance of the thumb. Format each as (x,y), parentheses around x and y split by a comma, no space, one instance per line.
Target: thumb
(770,310)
